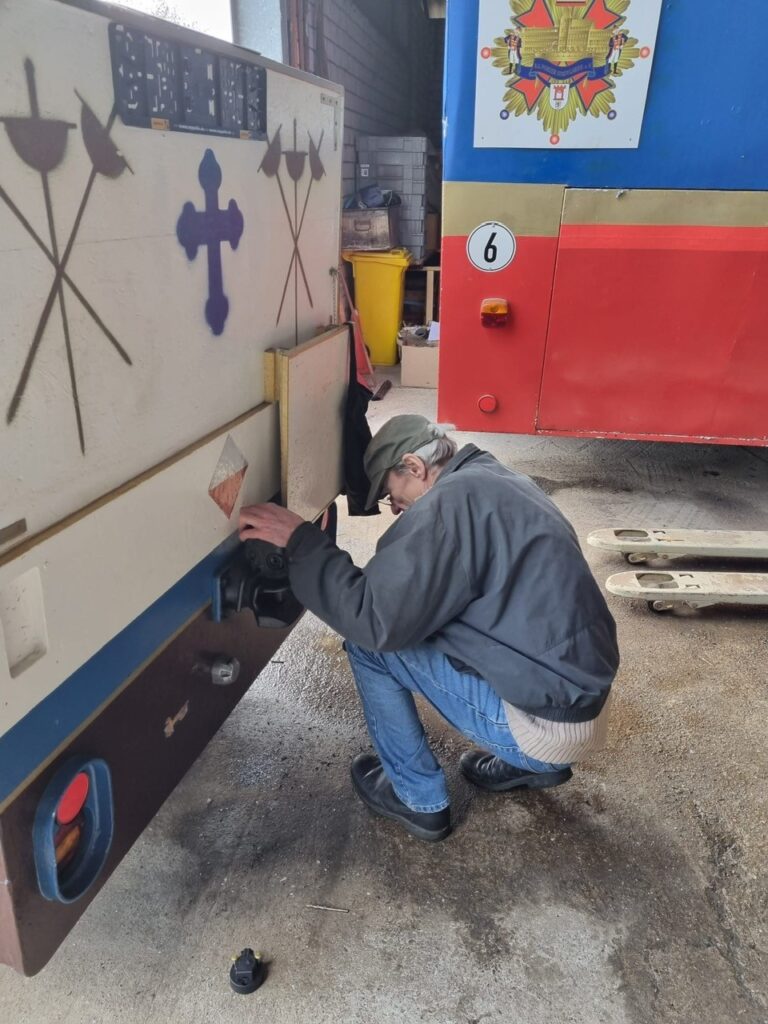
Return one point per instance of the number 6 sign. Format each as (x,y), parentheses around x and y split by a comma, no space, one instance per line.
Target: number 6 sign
(491,246)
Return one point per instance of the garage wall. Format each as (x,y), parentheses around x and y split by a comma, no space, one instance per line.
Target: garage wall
(388,57)
(386,53)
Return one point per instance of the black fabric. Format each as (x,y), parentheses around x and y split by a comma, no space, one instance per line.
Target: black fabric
(357,437)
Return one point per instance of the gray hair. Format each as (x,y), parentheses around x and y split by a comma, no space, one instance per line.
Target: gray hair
(435,453)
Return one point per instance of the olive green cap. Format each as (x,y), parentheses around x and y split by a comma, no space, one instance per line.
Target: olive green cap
(398,437)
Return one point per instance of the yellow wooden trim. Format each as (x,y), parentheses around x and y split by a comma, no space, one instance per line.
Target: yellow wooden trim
(293,353)
(270,377)
(283,371)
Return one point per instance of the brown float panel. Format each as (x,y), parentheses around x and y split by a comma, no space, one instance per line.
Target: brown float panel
(149,736)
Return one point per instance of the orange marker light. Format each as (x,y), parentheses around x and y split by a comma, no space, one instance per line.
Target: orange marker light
(494,312)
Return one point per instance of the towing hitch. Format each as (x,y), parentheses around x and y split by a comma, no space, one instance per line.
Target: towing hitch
(257,578)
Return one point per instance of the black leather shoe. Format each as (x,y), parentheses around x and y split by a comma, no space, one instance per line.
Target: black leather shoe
(374,789)
(491,773)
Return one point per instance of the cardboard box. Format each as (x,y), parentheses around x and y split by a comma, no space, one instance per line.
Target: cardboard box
(418,366)
(365,230)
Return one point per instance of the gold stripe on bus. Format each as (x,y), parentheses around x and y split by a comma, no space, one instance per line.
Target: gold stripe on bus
(527,210)
(666,207)
(537,210)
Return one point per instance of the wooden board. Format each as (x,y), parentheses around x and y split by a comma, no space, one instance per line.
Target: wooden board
(310,384)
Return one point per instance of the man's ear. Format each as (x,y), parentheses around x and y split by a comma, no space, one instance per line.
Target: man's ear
(415,466)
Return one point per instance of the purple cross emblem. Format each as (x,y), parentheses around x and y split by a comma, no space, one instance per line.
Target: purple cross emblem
(211,228)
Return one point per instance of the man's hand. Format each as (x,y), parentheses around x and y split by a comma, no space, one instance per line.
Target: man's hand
(272,523)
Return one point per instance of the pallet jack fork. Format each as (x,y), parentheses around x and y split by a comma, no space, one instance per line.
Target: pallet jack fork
(664,590)
(638,545)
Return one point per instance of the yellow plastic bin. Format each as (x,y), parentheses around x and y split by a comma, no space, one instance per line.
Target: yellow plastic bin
(379,293)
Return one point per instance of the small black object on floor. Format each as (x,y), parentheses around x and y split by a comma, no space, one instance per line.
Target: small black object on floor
(246,973)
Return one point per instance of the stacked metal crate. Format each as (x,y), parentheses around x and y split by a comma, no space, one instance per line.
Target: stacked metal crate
(401,163)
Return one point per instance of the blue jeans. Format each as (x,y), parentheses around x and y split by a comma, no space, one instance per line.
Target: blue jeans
(387,682)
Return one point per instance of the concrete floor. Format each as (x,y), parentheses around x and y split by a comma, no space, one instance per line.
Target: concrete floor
(637,893)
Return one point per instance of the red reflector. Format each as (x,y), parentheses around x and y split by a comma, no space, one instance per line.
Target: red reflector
(494,312)
(73,799)
(494,319)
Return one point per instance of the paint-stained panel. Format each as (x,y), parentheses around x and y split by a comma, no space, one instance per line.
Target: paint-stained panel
(162,83)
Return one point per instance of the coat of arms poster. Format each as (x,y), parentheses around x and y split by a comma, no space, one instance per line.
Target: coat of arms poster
(567,74)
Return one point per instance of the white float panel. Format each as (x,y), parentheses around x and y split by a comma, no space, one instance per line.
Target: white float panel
(128,264)
(85,583)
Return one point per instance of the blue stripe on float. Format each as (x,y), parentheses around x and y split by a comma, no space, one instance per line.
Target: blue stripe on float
(704,123)
(56,717)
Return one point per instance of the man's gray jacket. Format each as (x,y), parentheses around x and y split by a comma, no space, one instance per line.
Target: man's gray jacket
(485,567)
